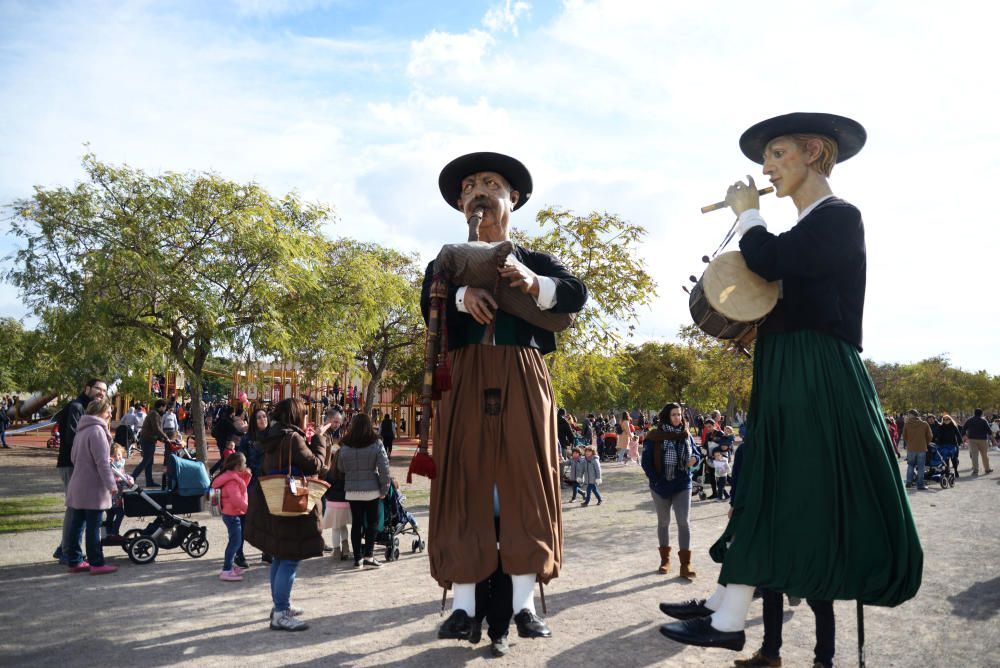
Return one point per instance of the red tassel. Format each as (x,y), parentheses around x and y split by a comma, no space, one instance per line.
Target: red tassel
(421,464)
(442,376)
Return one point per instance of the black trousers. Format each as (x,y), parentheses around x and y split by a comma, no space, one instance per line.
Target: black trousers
(773,619)
(148,453)
(364,522)
(495,603)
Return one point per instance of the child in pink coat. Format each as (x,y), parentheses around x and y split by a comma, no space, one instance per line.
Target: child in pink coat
(232,486)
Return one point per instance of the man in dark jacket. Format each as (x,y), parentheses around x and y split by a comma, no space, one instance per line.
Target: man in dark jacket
(387,431)
(565,430)
(977,433)
(67,420)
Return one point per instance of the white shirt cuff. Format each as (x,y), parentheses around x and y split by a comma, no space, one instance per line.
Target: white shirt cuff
(748,219)
(546,298)
(460,299)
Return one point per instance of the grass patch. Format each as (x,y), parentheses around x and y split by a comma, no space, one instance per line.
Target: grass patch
(31,513)
(417,497)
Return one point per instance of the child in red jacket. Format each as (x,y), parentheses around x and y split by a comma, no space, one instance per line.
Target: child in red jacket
(232,486)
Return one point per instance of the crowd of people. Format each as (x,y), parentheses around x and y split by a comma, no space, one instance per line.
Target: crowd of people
(350,458)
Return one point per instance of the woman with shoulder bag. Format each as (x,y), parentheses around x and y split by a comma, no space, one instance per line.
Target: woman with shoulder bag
(288,540)
(365,465)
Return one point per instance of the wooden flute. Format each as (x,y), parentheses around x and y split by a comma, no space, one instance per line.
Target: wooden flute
(723,205)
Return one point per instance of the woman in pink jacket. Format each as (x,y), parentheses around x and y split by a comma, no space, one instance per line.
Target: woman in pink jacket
(232,486)
(90,488)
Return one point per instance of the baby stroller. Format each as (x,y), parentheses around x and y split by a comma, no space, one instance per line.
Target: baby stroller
(700,475)
(565,478)
(53,442)
(939,464)
(397,522)
(610,447)
(187,482)
(127,437)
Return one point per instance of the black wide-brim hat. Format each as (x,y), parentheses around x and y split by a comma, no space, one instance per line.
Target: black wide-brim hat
(517,175)
(848,133)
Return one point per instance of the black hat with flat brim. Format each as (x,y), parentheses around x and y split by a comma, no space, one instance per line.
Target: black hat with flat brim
(517,175)
(848,134)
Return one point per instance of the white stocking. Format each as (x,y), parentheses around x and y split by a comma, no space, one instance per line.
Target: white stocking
(714,602)
(732,616)
(524,592)
(464,598)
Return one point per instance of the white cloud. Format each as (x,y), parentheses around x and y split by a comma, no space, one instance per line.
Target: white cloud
(441,52)
(503,18)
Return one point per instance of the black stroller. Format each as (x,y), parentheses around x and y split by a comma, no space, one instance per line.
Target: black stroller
(701,471)
(182,495)
(610,453)
(127,437)
(397,522)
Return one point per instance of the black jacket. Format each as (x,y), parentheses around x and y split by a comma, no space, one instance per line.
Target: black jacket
(948,434)
(67,419)
(977,427)
(822,264)
(565,432)
(571,295)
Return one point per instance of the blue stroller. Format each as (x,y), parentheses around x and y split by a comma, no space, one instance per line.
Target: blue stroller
(939,458)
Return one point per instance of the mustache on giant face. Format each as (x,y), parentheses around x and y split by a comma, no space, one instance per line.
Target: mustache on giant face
(484,203)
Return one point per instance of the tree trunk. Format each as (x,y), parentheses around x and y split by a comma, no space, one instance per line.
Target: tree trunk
(375,371)
(731,408)
(198,419)
(197,413)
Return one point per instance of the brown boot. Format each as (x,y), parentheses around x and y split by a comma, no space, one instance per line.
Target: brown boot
(685,556)
(759,659)
(664,560)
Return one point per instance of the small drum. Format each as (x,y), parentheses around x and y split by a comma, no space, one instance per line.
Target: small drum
(729,301)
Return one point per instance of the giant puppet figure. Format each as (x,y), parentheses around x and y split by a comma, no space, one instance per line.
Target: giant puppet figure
(495,501)
(831,534)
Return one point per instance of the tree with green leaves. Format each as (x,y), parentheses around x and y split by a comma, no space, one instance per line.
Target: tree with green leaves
(13,336)
(601,250)
(722,377)
(657,373)
(391,344)
(198,263)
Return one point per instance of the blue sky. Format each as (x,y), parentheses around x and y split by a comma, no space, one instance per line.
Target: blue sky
(627,107)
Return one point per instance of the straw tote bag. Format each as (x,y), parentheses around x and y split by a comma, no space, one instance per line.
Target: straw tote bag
(290,496)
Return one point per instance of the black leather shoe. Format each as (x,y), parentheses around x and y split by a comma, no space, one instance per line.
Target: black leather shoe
(499,647)
(456,627)
(530,625)
(691,609)
(476,634)
(699,632)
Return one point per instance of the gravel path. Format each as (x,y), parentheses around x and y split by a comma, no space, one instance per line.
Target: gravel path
(602,609)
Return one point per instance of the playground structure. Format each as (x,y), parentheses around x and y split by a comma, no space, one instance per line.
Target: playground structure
(258,384)
(266,383)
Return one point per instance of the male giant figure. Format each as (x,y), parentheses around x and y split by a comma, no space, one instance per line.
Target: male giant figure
(495,503)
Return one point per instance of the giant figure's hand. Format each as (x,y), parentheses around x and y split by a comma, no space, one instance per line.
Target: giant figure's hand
(480,305)
(742,196)
(520,276)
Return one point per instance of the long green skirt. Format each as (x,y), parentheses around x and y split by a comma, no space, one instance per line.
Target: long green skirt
(820,510)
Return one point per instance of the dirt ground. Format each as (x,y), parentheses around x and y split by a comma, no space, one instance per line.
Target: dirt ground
(602,609)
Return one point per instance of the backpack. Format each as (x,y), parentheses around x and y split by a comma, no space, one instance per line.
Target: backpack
(618,428)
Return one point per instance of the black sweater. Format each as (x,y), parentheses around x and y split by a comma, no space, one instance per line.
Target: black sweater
(571,295)
(822,264)
(948,434)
